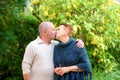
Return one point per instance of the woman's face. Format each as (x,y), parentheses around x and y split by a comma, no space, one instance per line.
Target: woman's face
(61,31)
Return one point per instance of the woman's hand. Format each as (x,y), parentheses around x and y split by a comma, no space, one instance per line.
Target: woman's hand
(62,70)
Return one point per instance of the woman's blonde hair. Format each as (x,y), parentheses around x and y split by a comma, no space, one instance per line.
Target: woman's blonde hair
(70,29)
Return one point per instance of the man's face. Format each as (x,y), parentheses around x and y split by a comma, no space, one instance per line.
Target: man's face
(51,32)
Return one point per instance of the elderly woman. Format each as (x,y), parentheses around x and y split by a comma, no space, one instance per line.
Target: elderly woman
(70,62)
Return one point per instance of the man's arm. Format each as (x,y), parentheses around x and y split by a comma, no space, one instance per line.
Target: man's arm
(80,43)
(27,62)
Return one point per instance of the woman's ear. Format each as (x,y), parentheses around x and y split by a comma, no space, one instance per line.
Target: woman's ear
(67,31)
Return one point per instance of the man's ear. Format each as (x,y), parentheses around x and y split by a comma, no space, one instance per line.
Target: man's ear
(46,32)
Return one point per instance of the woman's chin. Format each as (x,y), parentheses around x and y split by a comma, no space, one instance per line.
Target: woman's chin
(57,37)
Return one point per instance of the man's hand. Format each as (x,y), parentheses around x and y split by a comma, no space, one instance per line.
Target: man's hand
(26,76)
(62,70)
(80,43)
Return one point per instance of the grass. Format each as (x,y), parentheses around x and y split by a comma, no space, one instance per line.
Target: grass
(100,75)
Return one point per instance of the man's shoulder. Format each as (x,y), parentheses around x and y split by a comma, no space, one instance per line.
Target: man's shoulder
(32,43)
(54,42)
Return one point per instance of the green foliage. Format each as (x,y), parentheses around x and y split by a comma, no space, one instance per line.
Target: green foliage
(100,75)
(14,38)
(16,30)
(97,23)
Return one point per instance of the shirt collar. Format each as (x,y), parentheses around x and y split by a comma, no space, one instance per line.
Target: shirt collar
(39,40)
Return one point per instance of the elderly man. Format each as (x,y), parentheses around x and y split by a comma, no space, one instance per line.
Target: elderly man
(37,62)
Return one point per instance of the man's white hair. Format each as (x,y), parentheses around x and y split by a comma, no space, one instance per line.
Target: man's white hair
(44,26)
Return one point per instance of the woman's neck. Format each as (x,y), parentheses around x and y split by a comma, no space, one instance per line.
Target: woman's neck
(64,39)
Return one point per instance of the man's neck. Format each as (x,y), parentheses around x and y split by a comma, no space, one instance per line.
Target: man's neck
(45,39)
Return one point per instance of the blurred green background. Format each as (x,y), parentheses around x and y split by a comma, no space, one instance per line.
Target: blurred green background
(96,22)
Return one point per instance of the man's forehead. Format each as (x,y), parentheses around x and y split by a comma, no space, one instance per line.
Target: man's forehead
(51,26)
